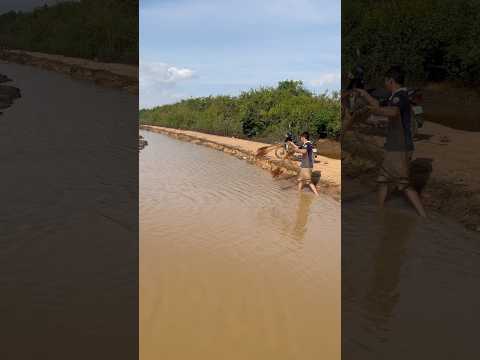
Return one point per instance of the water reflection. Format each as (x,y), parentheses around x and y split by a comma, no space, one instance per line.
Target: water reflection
(404,277)
(301,220)
(383,293)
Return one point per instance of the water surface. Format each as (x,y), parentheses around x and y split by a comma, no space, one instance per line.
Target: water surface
(68,219)
(233,264)
(410,287)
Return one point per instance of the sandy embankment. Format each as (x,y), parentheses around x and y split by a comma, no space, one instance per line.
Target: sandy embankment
(105,74)
(330,169)
(455,185)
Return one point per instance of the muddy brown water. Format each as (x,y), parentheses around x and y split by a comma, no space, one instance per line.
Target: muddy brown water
(69,219)
(410,287)
(233,264)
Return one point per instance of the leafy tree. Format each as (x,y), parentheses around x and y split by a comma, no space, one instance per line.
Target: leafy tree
(265,113)
(106,30)
(431,39)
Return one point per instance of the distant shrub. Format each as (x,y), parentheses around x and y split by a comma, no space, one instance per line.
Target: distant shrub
(265,113)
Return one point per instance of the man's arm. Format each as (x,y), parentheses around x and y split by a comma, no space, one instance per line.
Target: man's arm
(397,105)
(388,111)
(297,149)
(370,99)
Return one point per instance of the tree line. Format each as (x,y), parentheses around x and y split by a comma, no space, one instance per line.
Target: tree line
(432,39)
(267,113)
(106,30)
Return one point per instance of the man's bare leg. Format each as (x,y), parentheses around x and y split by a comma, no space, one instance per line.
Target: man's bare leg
(300,186)
(382,194)
(412,195)
(314,188)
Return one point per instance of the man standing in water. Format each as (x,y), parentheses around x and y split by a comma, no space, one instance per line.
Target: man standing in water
(306,166)
(399,142)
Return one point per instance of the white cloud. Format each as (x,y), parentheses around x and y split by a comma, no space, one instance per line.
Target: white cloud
(326,79)
(158,82)
(235,45)
(161,73)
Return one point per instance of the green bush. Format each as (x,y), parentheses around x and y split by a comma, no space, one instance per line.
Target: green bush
(423,36)
(265,113)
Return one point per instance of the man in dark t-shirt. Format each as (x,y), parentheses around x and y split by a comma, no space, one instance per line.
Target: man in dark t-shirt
(306,165)
(399,133)
(399,147)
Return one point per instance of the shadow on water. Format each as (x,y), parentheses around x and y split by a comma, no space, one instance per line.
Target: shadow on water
(420,172)
(316,177)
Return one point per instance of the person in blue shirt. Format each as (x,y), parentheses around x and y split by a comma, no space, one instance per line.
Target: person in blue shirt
(398,147)
(306,165)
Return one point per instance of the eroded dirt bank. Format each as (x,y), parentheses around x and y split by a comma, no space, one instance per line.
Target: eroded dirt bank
(328,169)
(104,74)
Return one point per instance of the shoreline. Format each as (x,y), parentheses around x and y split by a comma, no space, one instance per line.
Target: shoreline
(119,76)
(329,169)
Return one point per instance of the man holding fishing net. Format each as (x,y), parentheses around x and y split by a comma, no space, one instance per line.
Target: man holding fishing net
(394,171)
(306,165)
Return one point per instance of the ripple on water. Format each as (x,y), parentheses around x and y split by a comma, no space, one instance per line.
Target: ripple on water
(258,260)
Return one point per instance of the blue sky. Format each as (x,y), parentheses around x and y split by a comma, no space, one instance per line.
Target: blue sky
(191,48)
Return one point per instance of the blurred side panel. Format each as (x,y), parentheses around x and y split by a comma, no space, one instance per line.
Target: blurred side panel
(410,284)
(69,180)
